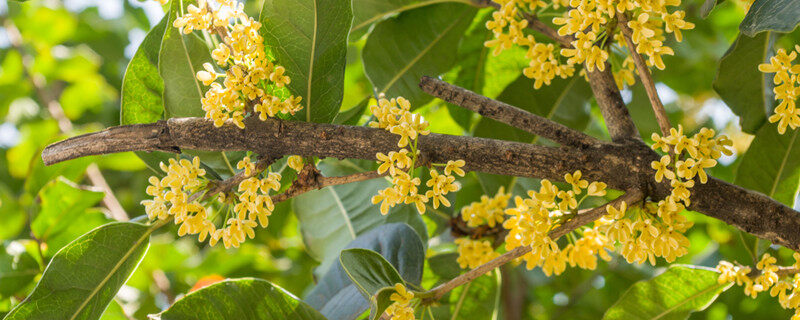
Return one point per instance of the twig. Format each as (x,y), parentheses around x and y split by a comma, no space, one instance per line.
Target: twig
(64,124)
(227,184)
(436,293)
(506,113)
(309,179)
(646,77)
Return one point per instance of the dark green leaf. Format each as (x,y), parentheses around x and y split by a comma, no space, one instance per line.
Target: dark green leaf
(747,91)
(332,217)
(351,116)
(338,298)
(83,277)
(772,164)
(419,42)
(309,39)
(181,56)
(674,294)
(775,15)
(245,299)
(17,270)
(368,270)
(62,202)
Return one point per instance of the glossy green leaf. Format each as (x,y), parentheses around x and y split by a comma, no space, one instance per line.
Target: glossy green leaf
(142,86)
(62,202)
(747,91)
(17,270)
(338,298)
(245,299)
(351,116)
(772,164)
(368,12)
(181,56)
(332,217)
(373,276)
(309,39)
(419,42)
(775,15)
(674,294)
(83,277)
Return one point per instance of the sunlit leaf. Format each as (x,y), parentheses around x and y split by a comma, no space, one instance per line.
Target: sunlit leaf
(62,202)
(246,299)
(674,294)
(772,164)
(309,39)
(83,277)
(17,270)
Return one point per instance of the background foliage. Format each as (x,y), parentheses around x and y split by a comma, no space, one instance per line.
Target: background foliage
(81,50)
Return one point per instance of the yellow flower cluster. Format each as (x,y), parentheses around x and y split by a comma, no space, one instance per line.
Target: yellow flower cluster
(768,278)
(401,308)
(251,82)
(787,88)
(589,24)
(473,253)
(395,116)
(702,150)
(184,180)
(533,217)
(508,28)
(489,211)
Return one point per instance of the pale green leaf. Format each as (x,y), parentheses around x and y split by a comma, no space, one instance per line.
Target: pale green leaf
(309,39)
(17,270)
(83,277)
(241,299)
(62,202)
(419,42)
(674,294)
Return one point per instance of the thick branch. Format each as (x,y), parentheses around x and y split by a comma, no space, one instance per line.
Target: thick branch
(618,120)
(506,113)
(647,78)
(582,219)
(623,166)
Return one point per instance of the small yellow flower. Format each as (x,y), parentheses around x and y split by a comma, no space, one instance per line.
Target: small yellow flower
(662,169)
(295,162)
(596,189)
(455,167)
(575,180)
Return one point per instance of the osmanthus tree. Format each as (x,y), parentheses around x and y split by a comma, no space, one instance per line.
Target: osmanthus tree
(239,113)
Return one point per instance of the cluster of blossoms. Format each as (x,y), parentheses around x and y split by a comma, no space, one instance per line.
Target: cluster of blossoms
(769,278)
(251,80)
(701,152)
(395,116)
(401,308)
(488,211)
(178,196)
(787,88)
(591,25)
(532,218)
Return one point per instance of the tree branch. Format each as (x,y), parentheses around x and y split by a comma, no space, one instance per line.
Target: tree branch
(618,119)
(623,166)
(506,113)
(646,77)
(436,293)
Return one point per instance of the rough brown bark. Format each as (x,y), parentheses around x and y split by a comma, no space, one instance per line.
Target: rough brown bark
(623,166)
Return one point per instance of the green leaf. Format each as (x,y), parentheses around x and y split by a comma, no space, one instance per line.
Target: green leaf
(181,56)
(338,298)
(62,202)
(747,91)
(114,312)
(708,5)
(142,86)
(332,217)
(83,277)
(245,299)
(351,116)
(471,65)
(368,12)
(771,164)
(309,39)
(17,270)
(419,42)
(373,276)
(775,15)
(369,271)
(674,294)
